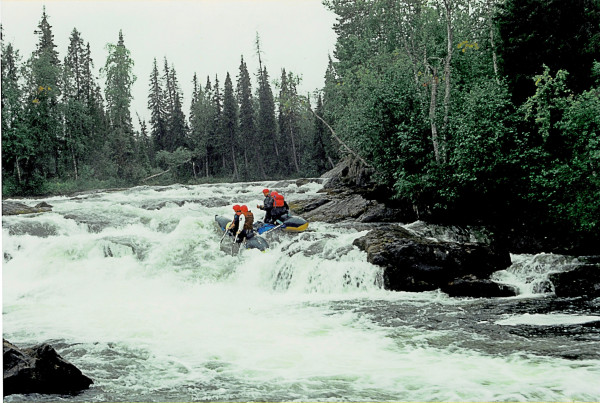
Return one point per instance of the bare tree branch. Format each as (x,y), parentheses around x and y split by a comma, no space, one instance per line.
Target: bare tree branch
(340,141)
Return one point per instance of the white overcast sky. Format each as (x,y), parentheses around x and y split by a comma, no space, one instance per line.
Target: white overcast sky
(207,37)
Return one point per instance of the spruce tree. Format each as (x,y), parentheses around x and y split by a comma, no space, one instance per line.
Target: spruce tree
(221,149)
(15,144)
(289,121)
(267,125)
(118,71)
(78,119)
(42,110)
(253,160)
(230,127)
(156,105)
(176,124)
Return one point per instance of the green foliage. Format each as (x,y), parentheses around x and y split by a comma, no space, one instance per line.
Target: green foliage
(562,34)
(398,91)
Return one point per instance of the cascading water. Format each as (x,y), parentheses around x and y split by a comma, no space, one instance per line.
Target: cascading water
(529,273)
(132,287)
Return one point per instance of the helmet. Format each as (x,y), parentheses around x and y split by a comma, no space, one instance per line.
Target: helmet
(244,208)
(265,190)
(236,207)
(274,193)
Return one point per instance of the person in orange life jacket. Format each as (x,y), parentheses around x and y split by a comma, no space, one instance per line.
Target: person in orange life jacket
(234,225)
(267,206)
(245,228)
(280,211)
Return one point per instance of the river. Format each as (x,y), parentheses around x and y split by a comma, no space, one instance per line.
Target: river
(132,287)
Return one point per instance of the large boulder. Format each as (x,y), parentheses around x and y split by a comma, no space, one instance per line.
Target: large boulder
(414,263)
(40,370)
(14,208)
(582,281)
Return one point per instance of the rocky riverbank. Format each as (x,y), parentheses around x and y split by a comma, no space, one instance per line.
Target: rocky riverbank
(422,256)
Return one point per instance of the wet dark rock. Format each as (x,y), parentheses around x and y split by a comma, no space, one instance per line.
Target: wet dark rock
(40,370)
(470,286)
(7,257)
(304,181)
(349,192)
(583,280)
(334,208)
(161,204)
(451,233)
(95,224)
(414,263)
(15,208)
(33,228)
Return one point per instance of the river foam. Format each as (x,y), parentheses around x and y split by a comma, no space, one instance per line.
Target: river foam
(131,286)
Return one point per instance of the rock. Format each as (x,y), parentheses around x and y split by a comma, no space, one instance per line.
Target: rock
(43,205)
(413,263)
(337,210)
(470,286)
(14,208)
(303,181)
(40,370)
(582,281)
(451,233)
(349,206)
(349,172)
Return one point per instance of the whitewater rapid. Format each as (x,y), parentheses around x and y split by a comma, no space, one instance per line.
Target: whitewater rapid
(132,287)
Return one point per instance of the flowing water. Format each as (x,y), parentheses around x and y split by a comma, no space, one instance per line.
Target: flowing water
(132,287)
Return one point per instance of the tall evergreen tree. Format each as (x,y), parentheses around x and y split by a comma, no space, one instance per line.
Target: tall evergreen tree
(43,115)
(253,161)
(221,143)
(15,144)
(175,118)
(119,79)
(78,123)
(267,124)
(213,156)
(156,104)
(289,120)
(198,140)
(230,126)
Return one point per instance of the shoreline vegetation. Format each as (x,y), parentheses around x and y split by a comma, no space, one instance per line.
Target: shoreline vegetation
(464,112)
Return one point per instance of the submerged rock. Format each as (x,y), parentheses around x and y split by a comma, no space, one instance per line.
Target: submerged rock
(40,370)
(470,286)
(414,263)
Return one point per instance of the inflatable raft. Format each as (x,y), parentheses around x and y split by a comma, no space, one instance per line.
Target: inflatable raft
(227,244)
(290,224)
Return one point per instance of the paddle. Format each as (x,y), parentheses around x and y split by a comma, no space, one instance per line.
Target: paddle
(233,244)
(225,232)
(272,229)
(223,237)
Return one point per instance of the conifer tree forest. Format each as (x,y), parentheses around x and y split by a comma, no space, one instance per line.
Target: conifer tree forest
(468,110)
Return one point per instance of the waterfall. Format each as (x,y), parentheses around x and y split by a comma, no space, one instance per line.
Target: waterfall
(529,274)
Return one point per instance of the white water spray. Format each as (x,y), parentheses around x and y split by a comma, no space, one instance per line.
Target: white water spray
(135,289)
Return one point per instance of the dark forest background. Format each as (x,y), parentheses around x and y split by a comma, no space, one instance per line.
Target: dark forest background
(469,110)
